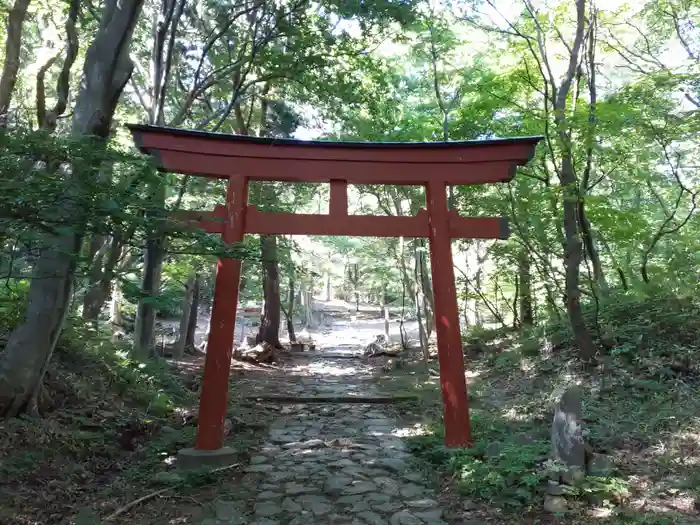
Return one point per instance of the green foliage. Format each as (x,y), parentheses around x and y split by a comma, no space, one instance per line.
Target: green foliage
(646,395)
(648,323)
(481,334)
(44,177)
(150,384)
(168,302)
(503,466)
(12,303)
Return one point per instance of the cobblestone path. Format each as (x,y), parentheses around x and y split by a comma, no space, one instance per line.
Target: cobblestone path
(330,463)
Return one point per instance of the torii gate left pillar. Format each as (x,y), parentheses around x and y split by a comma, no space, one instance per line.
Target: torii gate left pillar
(432,165)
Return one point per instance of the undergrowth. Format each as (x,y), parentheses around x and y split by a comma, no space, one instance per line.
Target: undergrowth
(111,427)
(640,407)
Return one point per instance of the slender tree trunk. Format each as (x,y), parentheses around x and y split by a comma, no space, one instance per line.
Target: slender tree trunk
(180,344)
(307,300)
(97,294)
(592,250)
(525,289)
(115,309)
(194,314)
(289,312)
(96,249)
(24,360)
(270,326)
(468,301)
(10,67)
(328,286)
(419,299)
(426,284)
(572,200)
(422,335)
(572,262)
(477,310)
(356,284)
(165,28)
(466,306)
(385,312)
(144,337)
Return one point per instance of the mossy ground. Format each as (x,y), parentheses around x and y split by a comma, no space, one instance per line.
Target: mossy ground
(109,435)
(641,406)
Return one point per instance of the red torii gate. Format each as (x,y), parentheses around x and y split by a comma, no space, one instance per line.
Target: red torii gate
(433,165)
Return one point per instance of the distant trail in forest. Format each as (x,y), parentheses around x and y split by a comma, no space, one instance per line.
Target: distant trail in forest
(341,326)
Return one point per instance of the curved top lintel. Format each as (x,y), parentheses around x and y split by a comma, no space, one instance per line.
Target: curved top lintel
(138,131)
(222,155)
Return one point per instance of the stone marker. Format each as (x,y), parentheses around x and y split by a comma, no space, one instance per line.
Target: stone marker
(555,489)
(568,445)
(555,504)
(600,465)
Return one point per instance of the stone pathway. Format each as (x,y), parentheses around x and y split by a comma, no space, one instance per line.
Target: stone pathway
(330,463)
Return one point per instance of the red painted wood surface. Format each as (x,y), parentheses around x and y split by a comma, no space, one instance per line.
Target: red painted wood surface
(297,170)
(450,354)
(353,225)
(338,204)
(214,397)
(267,223)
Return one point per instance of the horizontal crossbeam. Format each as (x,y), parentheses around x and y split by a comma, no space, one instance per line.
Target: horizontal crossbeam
(264,223)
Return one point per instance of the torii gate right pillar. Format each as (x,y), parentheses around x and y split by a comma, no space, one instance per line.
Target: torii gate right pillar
(452,379)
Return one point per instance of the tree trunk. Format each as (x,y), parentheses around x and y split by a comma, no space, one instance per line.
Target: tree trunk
(427,287)
(524,290)
(573,253)
(307,299)
(115,310)
(23,363)
(355,285)
(419,299)
(385,312)
(478,320)
(179,349)
(572,262)
(194,314)
(592,251)
(289,312)
(165,23)
(97,294)
(96,249)
(10,68)
(328,286)
(270,326)
(144,338)
(422,335)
